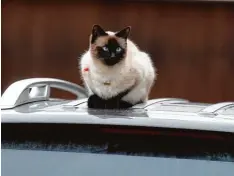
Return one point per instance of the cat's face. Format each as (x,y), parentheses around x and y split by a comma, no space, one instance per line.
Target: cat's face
(110,48)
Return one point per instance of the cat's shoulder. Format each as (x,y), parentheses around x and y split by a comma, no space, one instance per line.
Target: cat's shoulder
(85,58)
(85,55)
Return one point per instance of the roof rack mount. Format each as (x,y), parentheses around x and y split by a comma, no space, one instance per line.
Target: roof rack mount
(36,89)
(159,100)
(213,109)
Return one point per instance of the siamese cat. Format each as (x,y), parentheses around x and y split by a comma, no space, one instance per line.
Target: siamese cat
(116,73)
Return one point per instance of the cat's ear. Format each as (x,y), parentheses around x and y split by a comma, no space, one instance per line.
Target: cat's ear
(124,33)
(97,31)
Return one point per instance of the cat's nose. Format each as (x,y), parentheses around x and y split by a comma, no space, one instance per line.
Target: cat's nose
(112,55)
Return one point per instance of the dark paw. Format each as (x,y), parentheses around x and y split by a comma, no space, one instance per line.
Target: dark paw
(124,105)
(96,102)
(112,103)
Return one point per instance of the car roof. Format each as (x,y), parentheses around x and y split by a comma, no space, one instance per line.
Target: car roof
(168,113)
(17,107)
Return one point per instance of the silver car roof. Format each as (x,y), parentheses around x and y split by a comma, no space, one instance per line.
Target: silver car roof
(29,101)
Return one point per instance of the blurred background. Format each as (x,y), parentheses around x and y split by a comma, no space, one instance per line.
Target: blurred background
(191,43)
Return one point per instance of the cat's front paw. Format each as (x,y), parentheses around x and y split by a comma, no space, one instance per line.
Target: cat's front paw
(96,102)
(124,105)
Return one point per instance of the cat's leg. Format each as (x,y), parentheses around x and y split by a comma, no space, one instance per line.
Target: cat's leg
(96,102)
(137,94)
(115,102)
(119,104)
(124,104)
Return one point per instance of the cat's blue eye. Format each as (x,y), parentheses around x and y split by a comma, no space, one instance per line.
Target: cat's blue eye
(118,49)
(105,48)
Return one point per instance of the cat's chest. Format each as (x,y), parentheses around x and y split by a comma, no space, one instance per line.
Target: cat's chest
(112,81)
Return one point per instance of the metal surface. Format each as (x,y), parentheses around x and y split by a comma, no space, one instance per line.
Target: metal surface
(36,89)
(138,117)
(162,112)
(76,102)
(212,110)
(158,100)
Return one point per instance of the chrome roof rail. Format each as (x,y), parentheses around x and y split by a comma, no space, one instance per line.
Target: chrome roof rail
(159,100)
(76,102)
(36,89)
(213,109)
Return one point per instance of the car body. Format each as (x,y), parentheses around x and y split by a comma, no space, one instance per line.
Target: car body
(166,136)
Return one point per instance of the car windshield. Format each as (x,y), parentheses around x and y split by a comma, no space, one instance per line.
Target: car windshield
(113,150)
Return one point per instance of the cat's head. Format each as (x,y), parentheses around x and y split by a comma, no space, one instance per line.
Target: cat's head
(109,47)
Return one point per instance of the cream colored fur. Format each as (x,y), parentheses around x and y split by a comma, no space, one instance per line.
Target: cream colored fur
(136,69)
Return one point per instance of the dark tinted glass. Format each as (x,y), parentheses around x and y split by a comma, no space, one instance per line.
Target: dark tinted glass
(139,141)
